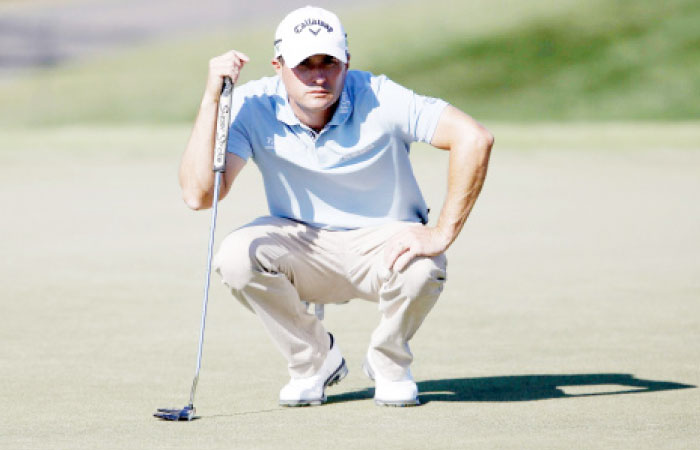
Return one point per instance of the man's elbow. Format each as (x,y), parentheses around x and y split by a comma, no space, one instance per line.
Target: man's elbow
(488,139)
(194,201)
(484,140)
(481,142)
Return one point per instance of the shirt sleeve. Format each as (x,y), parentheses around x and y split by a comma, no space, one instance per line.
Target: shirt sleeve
(415,116)
(238,137)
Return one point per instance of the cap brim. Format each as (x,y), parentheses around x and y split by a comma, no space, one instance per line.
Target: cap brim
(293,59)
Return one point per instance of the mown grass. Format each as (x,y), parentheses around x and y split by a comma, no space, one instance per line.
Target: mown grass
(505,60)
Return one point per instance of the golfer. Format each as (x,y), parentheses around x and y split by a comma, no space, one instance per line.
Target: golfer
(347,219)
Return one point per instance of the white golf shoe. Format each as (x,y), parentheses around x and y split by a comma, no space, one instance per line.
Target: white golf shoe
(403,392)
(312,390)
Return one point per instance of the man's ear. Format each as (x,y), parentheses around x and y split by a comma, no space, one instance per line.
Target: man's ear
(347,56)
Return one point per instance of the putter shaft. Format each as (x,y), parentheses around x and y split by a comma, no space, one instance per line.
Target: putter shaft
(219,166)
(205,300)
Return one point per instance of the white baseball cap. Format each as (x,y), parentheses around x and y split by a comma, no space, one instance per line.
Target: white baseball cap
(310,31)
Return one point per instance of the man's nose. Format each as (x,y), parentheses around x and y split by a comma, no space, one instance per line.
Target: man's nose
(318,76)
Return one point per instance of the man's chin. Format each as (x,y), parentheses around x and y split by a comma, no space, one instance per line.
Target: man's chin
(319,102)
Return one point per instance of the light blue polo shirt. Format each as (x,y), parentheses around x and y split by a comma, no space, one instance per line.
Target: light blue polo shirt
(356,172)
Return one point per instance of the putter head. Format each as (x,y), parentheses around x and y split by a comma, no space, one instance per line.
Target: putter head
(175,414)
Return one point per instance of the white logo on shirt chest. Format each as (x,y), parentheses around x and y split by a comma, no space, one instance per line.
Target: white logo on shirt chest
(344,106)
(269,143)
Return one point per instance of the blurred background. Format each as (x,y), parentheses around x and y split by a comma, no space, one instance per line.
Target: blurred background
(128,62)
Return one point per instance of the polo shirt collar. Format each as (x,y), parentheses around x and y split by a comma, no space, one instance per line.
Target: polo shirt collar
(284,109)
(344,107)
(286,115)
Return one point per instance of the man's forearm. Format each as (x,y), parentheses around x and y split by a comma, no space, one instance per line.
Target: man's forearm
(196,176)
(468,164)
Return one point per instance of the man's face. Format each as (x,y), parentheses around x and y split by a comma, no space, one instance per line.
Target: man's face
(315,84)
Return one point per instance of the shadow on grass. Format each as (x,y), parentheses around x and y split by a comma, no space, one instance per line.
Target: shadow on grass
(520,388)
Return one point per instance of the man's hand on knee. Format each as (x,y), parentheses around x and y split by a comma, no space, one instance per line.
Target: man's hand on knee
(411,243)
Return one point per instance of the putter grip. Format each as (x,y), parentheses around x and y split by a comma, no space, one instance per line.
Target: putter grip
(222,123)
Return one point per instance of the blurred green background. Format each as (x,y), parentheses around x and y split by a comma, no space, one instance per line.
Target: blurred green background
(513,61)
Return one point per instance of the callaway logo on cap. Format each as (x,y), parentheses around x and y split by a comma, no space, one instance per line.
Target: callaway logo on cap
(310,31)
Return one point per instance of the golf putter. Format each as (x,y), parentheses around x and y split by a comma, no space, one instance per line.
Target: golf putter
(222,124)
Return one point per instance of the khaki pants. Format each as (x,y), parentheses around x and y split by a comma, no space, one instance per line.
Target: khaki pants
(271,265)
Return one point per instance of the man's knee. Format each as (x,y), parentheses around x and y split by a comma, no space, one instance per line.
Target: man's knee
(237,260)
(425,277)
